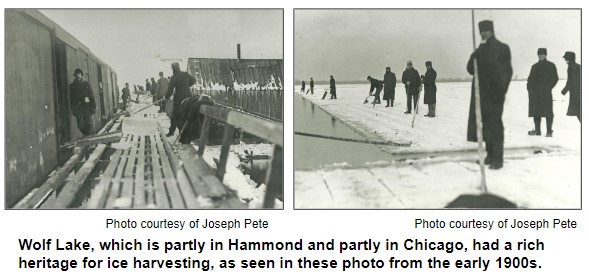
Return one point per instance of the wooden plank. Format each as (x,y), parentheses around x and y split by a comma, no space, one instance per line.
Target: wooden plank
(180,174)
(197,168)
(115,126)
(115,189)
(226,145)
(204,134)
(139,191)
(53,182)
(161,198)
(262,128)
(176,200)
(100,192)
(105,127)
(128,178)
(71,189)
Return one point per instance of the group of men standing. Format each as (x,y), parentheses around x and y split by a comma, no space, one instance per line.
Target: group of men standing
(413,85)
(494,72)
(83,104)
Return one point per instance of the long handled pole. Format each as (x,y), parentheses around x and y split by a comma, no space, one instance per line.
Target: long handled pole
(479,121)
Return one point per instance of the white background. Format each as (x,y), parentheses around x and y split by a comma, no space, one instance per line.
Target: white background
(565,251)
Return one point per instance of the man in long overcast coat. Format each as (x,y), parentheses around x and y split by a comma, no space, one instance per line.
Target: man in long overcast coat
(412,83)
(82,103)
(390,81)
(543,77)
(494,72)
(430,89)
(573,85)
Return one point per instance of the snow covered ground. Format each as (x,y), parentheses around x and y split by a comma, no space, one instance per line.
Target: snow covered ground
(550,179)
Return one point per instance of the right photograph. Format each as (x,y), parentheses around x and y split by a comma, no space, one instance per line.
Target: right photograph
(434,109)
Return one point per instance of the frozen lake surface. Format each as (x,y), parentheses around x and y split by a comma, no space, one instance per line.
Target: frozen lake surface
(550,179)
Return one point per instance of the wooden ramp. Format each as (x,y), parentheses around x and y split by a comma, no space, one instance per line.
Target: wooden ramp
(145,173)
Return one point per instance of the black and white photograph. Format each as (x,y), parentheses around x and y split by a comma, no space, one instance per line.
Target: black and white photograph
(143,108)
(434,109)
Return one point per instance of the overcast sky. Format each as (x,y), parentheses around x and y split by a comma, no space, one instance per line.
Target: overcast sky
(352,44)
(132,42)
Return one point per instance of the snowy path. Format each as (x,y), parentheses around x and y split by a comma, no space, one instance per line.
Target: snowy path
(547,180)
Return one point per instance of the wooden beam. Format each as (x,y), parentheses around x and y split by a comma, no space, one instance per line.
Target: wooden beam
(226,145)
(71,189)
(51,184)
(181,177)
(176,200)
(204,135)
(196,168)
(161,199)
(100,192)
(139,190)
(270,131)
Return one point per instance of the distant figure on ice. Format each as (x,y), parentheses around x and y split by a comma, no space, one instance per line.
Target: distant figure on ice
(543,77)
(375,84)
(311,85)
(162,88)
(82,103)
(390,81)
(494,72)
(332,88)
(430,89)
(181,82)
(412,84)
(126,96)
(303,87)
(153,87)
(573,85)
(147,85)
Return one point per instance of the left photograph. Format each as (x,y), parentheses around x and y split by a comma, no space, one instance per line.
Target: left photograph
(143,109)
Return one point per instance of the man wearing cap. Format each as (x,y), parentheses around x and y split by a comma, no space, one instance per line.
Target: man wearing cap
(390,81)
(162,88)
(332,88)
(181,82)
(430,89)
(494,75)
(412,84)
(303,87)
(126,96)
(147,85)
(311,85)
(82,103)
(543,77)
(375,84)
(573,85)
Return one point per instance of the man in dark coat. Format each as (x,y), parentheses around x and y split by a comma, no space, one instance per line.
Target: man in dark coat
(126,96)
(412,84)
(311,85)
(494,74)
(147,85)
(161,90)
(82,103)
(191,118)
(573,85)
(180,82)
(543,77)
(375,84)
(303,87)
(332,88)
(430,89)
(390,81)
